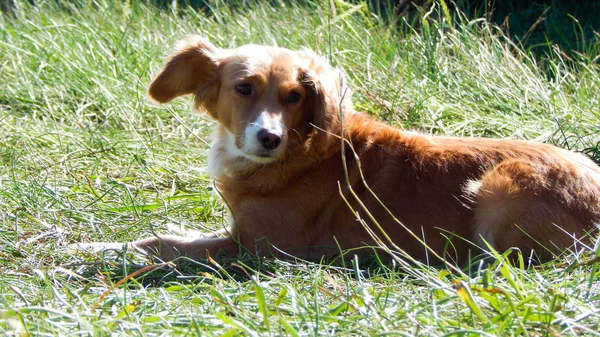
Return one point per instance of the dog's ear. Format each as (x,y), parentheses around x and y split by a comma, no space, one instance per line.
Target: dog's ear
(191,69)
(328,94)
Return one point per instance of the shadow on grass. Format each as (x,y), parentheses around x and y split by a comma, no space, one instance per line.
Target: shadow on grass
(122,267)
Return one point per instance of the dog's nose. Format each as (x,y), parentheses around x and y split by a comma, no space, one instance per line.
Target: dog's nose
(268,139)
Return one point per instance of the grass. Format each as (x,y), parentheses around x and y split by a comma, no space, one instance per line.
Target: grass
(86,157)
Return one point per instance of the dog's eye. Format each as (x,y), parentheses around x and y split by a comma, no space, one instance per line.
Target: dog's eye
(293,97)
(244,89)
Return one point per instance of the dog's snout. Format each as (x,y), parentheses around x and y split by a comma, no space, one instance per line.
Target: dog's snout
(268,139)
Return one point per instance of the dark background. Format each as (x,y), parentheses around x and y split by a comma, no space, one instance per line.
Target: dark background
(538,25)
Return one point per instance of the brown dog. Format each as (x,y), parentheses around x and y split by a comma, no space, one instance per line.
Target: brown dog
(277,161)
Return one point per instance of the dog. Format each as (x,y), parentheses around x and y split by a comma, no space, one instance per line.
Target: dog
(307,176)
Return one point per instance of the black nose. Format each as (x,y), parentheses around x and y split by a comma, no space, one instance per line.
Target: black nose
(268,139)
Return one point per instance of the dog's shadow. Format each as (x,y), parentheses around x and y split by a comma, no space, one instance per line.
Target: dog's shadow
(119,267)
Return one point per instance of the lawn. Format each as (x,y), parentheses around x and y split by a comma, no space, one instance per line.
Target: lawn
(85,156)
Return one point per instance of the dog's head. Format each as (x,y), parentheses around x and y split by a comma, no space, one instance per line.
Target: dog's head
(267,98)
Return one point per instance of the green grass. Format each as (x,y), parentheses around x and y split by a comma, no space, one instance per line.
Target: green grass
(86,157)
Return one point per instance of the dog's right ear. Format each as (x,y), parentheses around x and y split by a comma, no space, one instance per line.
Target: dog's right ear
(191,69)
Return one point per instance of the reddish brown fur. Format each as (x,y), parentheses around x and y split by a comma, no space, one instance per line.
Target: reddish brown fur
(508,193)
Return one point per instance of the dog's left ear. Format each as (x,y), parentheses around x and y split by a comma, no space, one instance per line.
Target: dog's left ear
(329,94)
(191,69)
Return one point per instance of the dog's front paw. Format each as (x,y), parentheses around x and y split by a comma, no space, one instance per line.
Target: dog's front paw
(151,247)
(166,247)
(109,250)
(95,247)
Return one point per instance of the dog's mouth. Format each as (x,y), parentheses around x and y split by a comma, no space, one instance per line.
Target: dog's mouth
(254,150)
(265,157)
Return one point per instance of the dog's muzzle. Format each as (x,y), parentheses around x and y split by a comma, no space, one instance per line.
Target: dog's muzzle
(268,139)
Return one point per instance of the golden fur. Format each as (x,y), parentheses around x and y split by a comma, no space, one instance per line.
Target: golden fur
(287,200)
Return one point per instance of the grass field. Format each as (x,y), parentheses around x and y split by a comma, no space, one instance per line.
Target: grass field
(86,157)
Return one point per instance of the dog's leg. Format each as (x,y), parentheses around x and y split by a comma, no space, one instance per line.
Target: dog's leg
(514,207)
(169,247)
